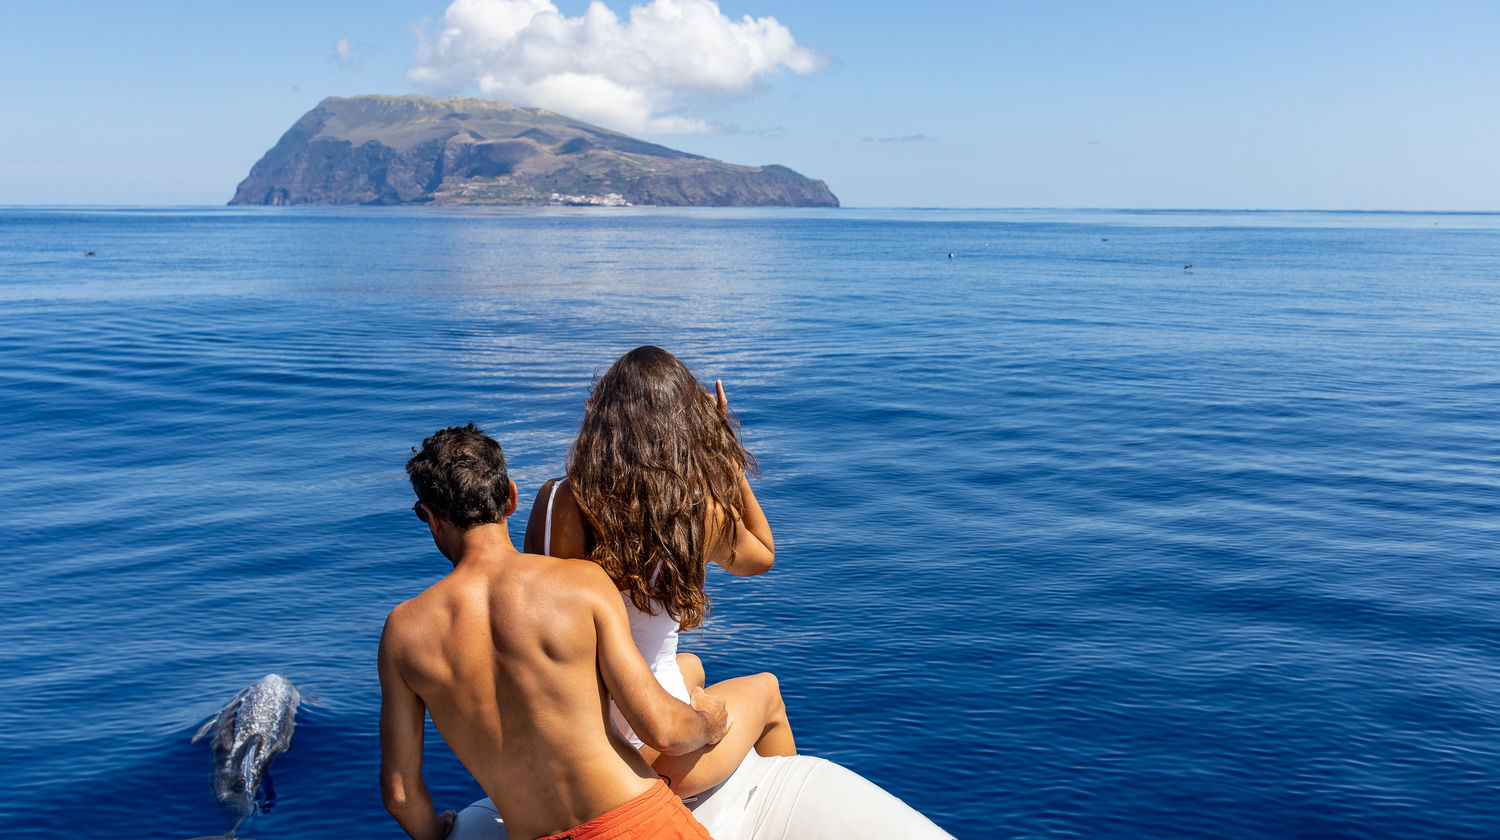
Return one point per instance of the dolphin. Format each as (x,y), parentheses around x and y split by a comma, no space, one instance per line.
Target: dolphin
(250,731)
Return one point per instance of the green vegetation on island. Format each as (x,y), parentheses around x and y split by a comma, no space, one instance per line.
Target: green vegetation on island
(416,150)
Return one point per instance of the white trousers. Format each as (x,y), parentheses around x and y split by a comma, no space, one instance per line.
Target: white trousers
(795,797)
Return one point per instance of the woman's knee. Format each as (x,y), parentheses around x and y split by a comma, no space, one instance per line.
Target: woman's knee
(692,670)
(776,732)
(770,680)
(770,689)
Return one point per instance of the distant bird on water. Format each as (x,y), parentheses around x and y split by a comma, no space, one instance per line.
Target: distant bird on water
(88,253)
(1187,267)
(950,255)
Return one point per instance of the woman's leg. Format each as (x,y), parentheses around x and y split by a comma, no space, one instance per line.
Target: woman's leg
(760,723)
(692,670)
(776,736)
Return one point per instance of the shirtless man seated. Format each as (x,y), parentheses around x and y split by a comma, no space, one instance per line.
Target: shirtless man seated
(516,656)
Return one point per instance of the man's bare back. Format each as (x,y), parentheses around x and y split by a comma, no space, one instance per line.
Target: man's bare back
(515,657)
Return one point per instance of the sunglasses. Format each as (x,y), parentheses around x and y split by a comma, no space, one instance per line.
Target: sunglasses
(420,510)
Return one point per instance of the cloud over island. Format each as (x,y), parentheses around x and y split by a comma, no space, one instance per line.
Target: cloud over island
(634,75)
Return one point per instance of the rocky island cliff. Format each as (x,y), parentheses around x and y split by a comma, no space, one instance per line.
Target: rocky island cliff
(415,150)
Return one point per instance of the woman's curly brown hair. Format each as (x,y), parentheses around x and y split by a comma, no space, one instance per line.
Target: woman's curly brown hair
(652,452)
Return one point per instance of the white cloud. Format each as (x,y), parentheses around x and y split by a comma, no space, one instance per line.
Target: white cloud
(634,75)
(343,50)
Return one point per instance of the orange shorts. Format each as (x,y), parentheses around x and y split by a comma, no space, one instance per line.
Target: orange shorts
(656,814)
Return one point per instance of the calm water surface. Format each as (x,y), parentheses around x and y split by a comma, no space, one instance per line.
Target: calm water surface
(1072,542)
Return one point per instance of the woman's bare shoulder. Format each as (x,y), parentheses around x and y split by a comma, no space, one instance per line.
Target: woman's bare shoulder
(567,525)
(536,522)
(565,507)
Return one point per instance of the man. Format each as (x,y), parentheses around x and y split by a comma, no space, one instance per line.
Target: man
(515,656)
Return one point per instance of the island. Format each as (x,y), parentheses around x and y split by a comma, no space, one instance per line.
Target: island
(392,150)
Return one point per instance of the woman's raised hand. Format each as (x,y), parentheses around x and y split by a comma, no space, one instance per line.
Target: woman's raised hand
(719,399)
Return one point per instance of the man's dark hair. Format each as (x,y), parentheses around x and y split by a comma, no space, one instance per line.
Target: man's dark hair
(459,474)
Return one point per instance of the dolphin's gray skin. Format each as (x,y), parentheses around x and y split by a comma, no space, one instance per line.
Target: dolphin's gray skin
(253,728)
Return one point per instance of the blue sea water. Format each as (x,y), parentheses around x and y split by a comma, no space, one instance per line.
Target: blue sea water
(1072,542)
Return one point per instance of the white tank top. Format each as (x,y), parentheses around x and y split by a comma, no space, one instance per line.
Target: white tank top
(655,637)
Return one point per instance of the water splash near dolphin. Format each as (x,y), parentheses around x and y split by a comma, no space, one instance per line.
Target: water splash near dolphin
(252,729)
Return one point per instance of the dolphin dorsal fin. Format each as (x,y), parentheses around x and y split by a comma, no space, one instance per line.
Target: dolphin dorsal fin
(203,730)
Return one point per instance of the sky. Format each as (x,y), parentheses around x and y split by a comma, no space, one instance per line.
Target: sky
(1244,105)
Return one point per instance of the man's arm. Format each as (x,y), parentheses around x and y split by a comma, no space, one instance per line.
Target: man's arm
(402,715)
(663,722)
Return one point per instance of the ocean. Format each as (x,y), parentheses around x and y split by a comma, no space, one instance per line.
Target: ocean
(1073,541)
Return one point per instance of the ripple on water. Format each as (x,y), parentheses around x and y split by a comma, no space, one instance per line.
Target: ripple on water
(1071,543)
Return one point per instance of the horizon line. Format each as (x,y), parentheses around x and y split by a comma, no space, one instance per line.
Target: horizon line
(928,207)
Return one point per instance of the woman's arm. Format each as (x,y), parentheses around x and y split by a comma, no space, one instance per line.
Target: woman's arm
(754,547)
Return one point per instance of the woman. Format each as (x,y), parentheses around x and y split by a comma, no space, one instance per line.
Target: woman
(656,490)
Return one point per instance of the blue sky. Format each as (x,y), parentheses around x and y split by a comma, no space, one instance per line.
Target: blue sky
(945,104)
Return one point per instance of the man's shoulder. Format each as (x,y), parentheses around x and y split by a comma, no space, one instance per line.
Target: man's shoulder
(403,617)
(405,610)
(409,615)
(584,571)
(582,577)
(396,638)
